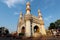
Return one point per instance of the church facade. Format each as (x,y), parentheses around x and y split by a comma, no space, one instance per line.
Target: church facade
(31,25)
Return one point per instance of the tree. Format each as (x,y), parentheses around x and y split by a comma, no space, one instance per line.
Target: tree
(52,26)
(21,34)
(55,25)
(4,31)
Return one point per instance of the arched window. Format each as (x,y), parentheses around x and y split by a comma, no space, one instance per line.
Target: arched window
(36,29)
(23,30)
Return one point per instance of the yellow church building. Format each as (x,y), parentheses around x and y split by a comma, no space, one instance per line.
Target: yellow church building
(31,25)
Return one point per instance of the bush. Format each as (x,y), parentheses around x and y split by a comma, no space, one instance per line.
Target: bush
(21,34)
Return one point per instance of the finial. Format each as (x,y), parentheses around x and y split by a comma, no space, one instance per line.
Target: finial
(39,15)
(21,14)
(38,10)
(28,8)
(28,3)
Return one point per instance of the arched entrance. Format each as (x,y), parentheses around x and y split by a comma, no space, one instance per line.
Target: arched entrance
(23,30)
(36,29)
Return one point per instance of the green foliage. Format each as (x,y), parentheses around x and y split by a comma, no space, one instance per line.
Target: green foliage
(4,31)
(52,26)
(55,25)
(21,34)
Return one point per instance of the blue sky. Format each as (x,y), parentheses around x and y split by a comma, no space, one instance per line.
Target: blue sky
(10,10)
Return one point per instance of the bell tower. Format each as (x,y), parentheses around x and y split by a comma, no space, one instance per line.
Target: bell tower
(28,20)
(42,30)
(19,22)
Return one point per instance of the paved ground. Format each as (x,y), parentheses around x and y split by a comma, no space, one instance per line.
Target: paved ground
(40,38)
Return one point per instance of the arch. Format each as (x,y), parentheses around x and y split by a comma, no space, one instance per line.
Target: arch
(36,29)
(23,29)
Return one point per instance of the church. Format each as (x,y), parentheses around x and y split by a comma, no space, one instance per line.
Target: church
(29,24)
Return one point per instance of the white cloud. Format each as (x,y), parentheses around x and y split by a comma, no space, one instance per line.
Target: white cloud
(16,13)
(11,3)
(48,18)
